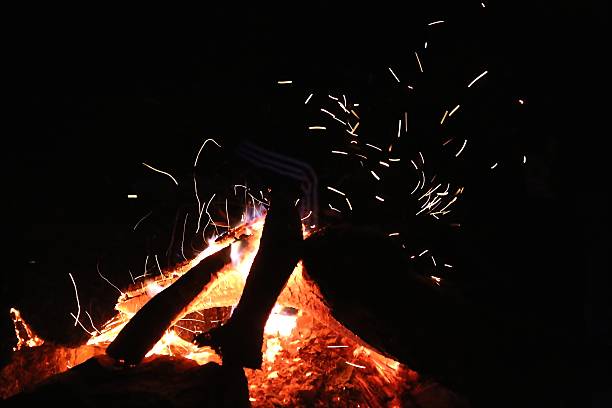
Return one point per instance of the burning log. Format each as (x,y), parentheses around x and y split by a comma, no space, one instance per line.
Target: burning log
(148,325)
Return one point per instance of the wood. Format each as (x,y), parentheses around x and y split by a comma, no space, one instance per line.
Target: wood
(145,329)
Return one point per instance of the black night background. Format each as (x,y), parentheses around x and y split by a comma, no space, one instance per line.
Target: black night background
(92,98)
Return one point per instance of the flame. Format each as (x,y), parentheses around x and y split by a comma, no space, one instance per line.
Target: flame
(25,335)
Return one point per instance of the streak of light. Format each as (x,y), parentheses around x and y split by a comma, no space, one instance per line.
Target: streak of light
(336,191)
(333,208)
(399,128)
(162,172)
(477,78)
(306,217)
(453,111)
(375,175)
(424,252)
(448,141)
(422,158)
(361,155)
(433,260)
(354,365)
(76,318)
(524,159)
(91,322)
(339,152)
(419,61)
(384,164)
(296,202)
(379,198)
(436,279)
(414,164)
(462,147)
(374,147)
(353,112)
(109,282)
(494,166)
(333,97)
(448,265)
(132,196)
(522,102)
(308,99)
(284,82)
(202,147)
(394,76)
(159,267)
(435,22)
(393,234)
(444,117)
(183,240)
(81,324)
(317,127)
(416,188)
(405,121)
(227,213)
(394,160)
(142,219)
(349,203)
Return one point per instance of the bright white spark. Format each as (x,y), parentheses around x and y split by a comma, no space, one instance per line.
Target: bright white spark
(132,196)
(394,160)
(477,78)
(284,82)
(308,99)
(405,121)
(433,260)
(162,172)
(375,175)
(76,318)
(309,214)
(419,61)
(354,365)
(494,166)
(333,97)
(91,321)
(394,234)
(435,22)
(394,76)
(444,117)
(422,158)
(384,164)
(317,127)
(374,147)
(417,186)
(462,147)
(339,152)
(336,191)
(424,252)
(436,279)
(414,164)
(109,282)
(333,208)
(399,128)
(483,5)
(142,219)
(524,159)
(379,198)
(522,102)
(349,203)
(296,202)
(201,147)
(448,265)
(361,155)
(159,267)
(453,111)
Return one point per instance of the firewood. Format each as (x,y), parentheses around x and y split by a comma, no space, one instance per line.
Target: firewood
(148,325)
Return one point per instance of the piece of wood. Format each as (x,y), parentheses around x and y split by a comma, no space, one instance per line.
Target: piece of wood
(147,326)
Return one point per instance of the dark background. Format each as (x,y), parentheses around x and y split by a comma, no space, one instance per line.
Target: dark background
(96,94)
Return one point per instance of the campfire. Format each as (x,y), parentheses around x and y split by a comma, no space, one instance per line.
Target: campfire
(307,354)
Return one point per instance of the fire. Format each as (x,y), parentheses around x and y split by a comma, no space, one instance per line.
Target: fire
(25,335)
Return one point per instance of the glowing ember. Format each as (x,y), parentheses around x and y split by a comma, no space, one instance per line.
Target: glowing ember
(25,335)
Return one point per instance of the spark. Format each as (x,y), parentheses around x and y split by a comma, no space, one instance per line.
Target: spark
(183,240)
(374,147)
(159,267)
(202,147)
(227,213)
(384,164)
(339,152)
(308,99)
(109,282)
(435,22)
(338,346)
(424,252)
(425,45)
(335,209)
(379,198)
(349,203)
(448,141)
(344,99)
(375,175)
(433,260)
(448,265)
(462,147)
(524,159)
(132,276)
(355,114)
(414,164)
(444,117)
(422,158)
(394,76)
(354,365)
(340,120)
(405,121)
(477,78)
(494,166)
(132,196)
(416,188)
(448,205)
(317,127)
(91,321)
(81,324)
(195,188)
(394,160)
(336,191)
(393,234)
(76,318)
(483,5)
(522,102)
(333,97)
(306,217)
(399,128)
(296,202)
(354,141)
(284,82)
(162,172)
(361,155)
(419,61)
(453,111)
(343,107)
(239,185)
(436,279)
(141,220)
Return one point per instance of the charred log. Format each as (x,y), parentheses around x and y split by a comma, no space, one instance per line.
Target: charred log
(157,315)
